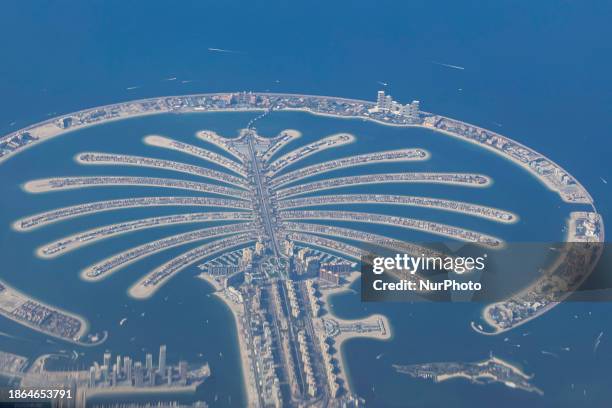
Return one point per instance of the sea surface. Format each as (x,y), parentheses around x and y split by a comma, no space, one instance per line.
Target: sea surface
(536,72)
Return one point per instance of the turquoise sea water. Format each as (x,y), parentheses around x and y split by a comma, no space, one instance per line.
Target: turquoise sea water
(535,72)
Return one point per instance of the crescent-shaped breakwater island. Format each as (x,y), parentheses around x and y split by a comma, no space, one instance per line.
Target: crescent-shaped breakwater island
(550,173)
(273,255)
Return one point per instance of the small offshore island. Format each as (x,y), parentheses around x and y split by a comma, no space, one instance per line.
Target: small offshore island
(273,261)
(492,370)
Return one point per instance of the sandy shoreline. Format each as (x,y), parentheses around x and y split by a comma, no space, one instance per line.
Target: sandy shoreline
(326,294)
(237,313)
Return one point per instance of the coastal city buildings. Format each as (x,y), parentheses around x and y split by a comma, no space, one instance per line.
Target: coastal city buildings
(122,374)
(113,375)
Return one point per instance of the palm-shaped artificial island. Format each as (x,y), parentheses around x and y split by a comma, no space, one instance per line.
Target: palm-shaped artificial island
(273,249)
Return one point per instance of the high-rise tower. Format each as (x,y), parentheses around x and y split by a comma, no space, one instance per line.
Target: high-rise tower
(149,361)
(162,359)
(380,99)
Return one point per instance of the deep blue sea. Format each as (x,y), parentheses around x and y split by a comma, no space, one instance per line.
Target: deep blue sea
(538,72)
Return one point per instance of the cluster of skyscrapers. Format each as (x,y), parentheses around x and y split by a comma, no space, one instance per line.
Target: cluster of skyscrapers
(126,372)
(386,104)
